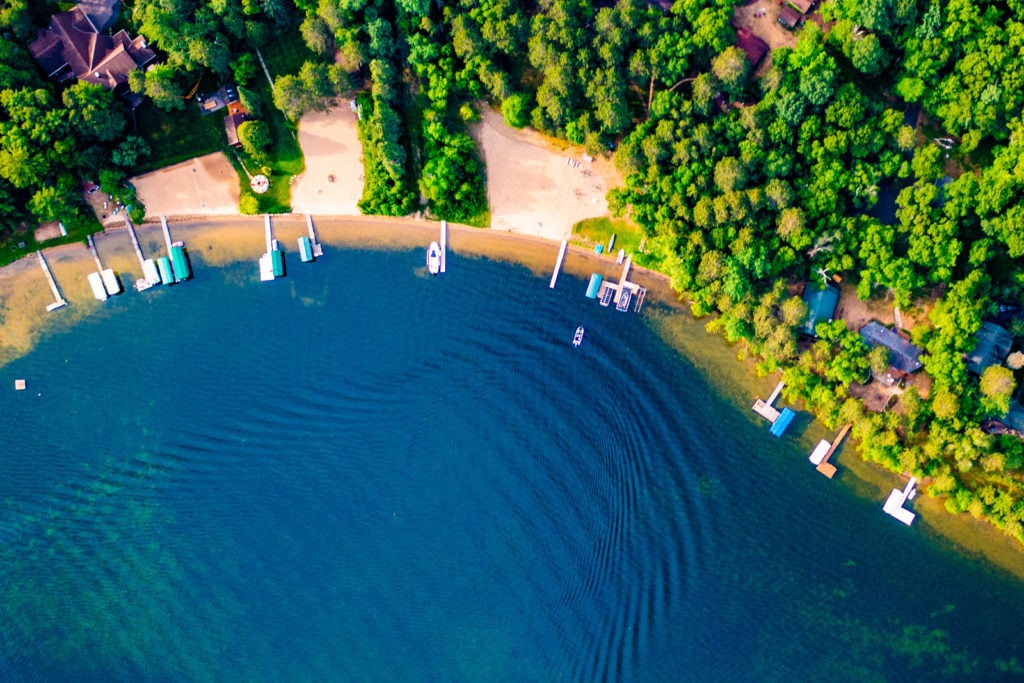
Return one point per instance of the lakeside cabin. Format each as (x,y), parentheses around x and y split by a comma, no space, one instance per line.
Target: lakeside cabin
(904,357)
(821,306)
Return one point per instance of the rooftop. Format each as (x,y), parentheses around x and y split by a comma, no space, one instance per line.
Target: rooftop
(903,354)
(992,344)
(821,305)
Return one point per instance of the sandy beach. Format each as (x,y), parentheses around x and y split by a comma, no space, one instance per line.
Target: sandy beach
(535,186)
(203,186)
(333,180)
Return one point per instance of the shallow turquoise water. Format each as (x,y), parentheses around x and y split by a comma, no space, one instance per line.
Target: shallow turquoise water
(362,473)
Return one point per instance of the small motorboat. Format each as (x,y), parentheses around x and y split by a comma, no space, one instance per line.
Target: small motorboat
(577,338)
(434,258)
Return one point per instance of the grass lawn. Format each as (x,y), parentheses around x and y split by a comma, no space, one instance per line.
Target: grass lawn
(594,231)
(176,136)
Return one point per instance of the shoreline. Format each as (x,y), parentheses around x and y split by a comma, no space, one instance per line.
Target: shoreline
(222,240)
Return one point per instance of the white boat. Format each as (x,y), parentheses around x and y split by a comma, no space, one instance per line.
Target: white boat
(434,258)
(577,338)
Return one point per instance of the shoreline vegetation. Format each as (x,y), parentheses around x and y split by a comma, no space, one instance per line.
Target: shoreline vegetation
(862,148)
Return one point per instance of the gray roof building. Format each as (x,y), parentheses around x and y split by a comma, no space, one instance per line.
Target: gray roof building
(992,344)
(903,355)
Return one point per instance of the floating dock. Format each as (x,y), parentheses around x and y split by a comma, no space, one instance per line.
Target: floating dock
(558,265)
(824,450)
(595,285)
(623,292)
(897,499)
(108,279)
(163,264)
(150,273)
(96,283)
(180,268)
(765,409)
(780,419)
(59,300)
(314,243)
(179,263)
(305,249)
(272,262)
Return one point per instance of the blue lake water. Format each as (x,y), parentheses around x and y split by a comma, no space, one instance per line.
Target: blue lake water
(360,472)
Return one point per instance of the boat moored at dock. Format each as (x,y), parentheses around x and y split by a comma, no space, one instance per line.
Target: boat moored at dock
(434,258)
(96,283)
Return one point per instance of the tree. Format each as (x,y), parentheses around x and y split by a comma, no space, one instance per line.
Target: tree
(244,68)
(731,68)
(317,35)
(128,152)
(92,111)
(255,138)
(162,88)
(997,385)
(515,109)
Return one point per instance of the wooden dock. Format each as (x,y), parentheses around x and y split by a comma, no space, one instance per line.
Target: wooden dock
(824,466)
(444,245)
(59,300)
(765,408)
(558,263)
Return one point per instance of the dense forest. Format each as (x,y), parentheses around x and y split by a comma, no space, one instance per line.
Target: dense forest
(886,147)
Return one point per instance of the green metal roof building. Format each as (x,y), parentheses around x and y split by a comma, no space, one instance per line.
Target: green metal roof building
(821,306)
(277,261)
(166,273)
(305,249)
(180,264)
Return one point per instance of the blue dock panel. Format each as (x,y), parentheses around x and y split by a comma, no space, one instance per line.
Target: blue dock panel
(305,249)
(779,426)
(595,285)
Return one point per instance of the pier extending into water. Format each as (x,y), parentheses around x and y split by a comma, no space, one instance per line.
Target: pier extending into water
(623,292)
(780,419)
(310,247)
(272,262)
(104,282)
(897,499)
(558,263)
(824,450)
(180,269)
(444,245)
(59,300)
(150,274)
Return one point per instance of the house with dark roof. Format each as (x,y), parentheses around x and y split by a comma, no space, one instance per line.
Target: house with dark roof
(752,45)
(790,18)
(903,356)
(821,306)
(74,47)
(992,344)
(802,6)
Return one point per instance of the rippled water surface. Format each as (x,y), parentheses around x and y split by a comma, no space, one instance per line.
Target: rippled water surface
(362,473)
